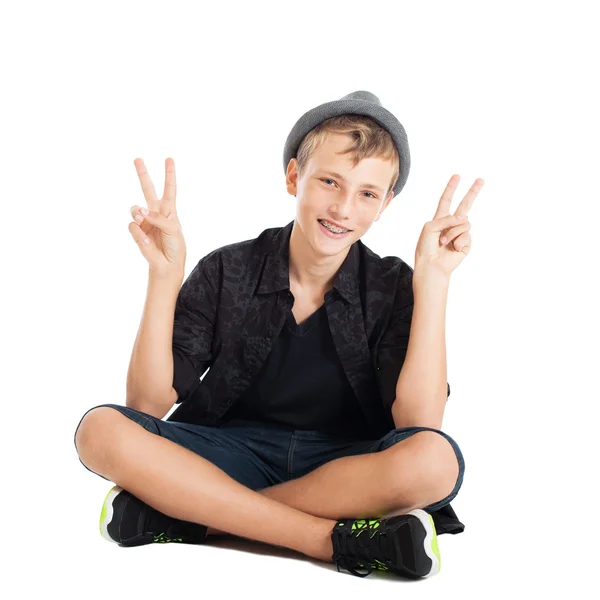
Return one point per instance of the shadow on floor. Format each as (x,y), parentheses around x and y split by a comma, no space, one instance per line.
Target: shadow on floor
(233,542)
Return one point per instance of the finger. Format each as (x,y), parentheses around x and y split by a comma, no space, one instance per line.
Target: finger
(170,188)
(138,217)
(146,182)
(144,242)
(463,243)
(467,202)
(443,208)
(454,232)
(154,218)
(445,222)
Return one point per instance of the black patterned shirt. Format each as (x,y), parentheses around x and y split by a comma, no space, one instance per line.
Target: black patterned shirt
(231,309)
(233,305)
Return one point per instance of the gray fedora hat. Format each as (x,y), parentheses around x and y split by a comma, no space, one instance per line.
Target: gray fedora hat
(358,103)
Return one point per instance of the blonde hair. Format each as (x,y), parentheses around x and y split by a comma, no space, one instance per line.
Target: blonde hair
(370,140)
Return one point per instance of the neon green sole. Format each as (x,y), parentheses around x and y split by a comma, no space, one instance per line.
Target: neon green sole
(103,511)
(434,543)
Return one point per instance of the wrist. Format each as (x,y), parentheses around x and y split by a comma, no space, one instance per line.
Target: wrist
(171,277)
(429,275)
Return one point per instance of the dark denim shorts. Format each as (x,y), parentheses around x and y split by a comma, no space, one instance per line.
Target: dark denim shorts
(259,455)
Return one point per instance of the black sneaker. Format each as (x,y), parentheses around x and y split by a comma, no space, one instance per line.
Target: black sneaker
(403,544)
(128,521)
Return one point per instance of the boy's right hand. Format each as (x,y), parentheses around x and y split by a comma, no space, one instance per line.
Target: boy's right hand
(166,251)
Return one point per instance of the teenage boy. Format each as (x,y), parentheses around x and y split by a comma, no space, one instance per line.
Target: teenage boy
(317,426)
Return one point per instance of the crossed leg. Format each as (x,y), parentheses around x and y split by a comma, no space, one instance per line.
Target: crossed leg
(415,472)
(183,485)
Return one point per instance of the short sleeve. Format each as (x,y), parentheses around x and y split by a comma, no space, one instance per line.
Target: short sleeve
(393,345)
(193,327)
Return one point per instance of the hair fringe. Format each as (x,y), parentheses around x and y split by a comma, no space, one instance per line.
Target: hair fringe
(369,140)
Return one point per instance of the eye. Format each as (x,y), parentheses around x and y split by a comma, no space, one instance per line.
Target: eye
(327,179)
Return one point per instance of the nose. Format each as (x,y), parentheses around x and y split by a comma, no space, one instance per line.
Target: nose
(342,208)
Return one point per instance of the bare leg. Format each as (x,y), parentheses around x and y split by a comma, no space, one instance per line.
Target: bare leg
(183,485)
(414,473)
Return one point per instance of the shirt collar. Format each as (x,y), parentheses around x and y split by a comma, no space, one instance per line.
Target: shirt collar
(275,275)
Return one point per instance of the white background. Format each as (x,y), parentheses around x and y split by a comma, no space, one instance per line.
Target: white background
(502,91)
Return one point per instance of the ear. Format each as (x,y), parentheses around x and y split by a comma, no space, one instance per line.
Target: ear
(291,177)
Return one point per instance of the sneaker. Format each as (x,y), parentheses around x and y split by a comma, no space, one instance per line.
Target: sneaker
(403,544)
(128,521)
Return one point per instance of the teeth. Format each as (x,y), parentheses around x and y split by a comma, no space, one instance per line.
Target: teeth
(333,227)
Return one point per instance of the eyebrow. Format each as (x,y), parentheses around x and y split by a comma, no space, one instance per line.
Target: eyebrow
(369,186)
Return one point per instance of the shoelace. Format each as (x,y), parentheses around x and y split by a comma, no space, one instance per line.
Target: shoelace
(168,529)
(361,547)
(351,567)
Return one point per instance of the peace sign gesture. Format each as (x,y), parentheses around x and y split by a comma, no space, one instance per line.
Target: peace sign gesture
(156,228)
(446,240)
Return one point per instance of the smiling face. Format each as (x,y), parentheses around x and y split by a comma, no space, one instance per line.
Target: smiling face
(331,188)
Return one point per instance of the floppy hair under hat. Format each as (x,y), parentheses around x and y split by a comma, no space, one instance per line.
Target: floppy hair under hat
(357,103)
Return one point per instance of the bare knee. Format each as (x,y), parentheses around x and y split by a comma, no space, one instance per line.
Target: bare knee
(433,464)
(95,436)
(438,461)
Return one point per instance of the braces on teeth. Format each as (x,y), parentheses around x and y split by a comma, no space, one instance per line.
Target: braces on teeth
(331,228)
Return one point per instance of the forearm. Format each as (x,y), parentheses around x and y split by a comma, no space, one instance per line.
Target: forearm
(150,374)
(421,391)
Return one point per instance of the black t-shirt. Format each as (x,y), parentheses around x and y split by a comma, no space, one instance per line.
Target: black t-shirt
(302,384)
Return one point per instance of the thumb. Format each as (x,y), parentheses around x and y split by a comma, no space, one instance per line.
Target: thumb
(447,221)
(167,225)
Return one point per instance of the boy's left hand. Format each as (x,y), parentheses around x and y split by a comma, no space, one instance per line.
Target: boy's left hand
(432,250)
